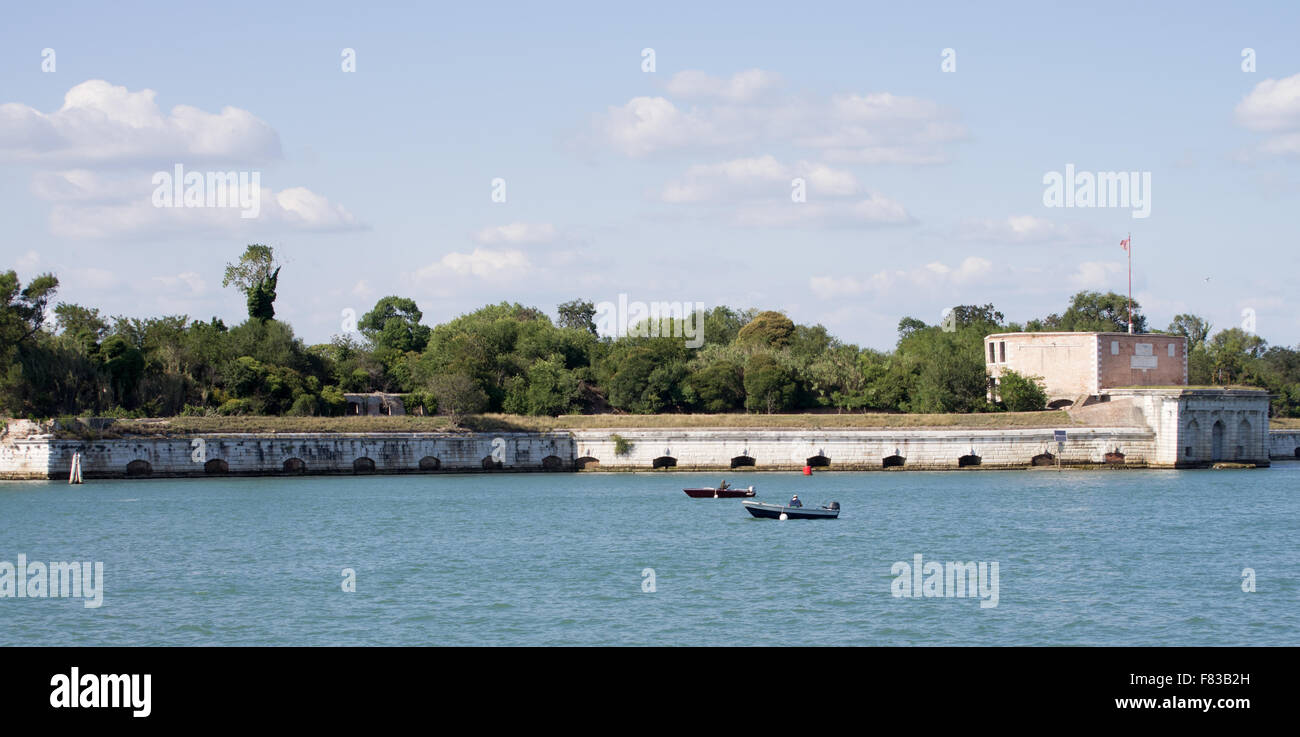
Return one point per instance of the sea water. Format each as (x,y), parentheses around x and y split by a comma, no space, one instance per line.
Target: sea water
(1082,557)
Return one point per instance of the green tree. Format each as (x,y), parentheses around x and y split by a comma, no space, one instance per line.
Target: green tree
(1093,312)
(125,366)
(457,395)
(82,326)
(1021,393)
(767,330)
(1194,328)
(394,324)
(578,314)
(547,388)
(769,387)
(718,386)
(1231,353)
(256,274)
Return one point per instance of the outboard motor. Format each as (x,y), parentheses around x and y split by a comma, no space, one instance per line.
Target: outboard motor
(833,506)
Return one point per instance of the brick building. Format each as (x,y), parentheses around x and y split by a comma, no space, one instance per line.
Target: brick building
(1074,365)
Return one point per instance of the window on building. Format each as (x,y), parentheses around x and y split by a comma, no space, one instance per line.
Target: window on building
(1002,350)
(1114,348)
(992,358)
(1171,350)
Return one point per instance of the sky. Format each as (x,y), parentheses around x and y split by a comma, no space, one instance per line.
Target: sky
(848,164)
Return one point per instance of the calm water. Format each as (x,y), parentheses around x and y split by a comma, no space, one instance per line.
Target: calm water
(1084,558)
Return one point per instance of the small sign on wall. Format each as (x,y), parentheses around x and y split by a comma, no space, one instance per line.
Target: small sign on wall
(1142,362)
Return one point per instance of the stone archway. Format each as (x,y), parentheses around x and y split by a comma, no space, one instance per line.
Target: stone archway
(742,462)
(1043,459)
(1216,441)
(430,463)
(552,463)
(818,461)
(663,462)
(139,467)
(294,465)
(968,461)
(587,463)
(894,461)
(216,466)
(363,465)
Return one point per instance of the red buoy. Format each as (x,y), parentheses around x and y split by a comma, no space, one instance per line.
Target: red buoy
(807,470)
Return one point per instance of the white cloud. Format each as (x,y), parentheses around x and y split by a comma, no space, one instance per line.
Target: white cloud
(481,263)
(100,123)
(869,128)
(88,212)
(303,209)
(932,276)
(517,233)
(1273,107)
(883,128)
(875,210)
(742,87)
(98,153)
(757,175)
(1097,275)
(1019,229)
(648,124)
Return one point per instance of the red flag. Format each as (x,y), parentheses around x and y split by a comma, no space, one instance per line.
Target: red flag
(1124,244)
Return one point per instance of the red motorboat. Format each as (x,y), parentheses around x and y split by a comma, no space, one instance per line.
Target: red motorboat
(719,493)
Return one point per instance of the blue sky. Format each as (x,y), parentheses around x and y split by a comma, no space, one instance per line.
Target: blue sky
(924,187)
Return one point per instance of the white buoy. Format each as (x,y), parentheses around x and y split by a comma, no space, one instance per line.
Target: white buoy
(783,517)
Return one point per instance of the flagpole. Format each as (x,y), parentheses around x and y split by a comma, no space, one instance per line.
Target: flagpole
(1130,282)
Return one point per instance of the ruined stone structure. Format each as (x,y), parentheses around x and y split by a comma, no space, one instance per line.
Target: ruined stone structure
(376,403)
(1074,365)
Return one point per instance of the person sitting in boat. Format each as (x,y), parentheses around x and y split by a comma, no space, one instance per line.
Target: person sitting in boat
(724,485)
(794,501)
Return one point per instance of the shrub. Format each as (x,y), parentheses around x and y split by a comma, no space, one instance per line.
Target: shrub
(1022,393)
(622,446)
(237,407)
(306,405)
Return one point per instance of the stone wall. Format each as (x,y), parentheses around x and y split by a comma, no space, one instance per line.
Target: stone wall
(283,453)
(859,450)
(1152,428)
(1284,444)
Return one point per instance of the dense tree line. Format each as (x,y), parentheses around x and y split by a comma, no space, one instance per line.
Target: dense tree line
(69,359)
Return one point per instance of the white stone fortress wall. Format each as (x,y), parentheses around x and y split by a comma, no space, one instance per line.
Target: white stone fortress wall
(1132,428)
(859,450)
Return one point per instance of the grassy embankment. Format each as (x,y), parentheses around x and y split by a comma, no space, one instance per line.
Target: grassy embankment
(517,423)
